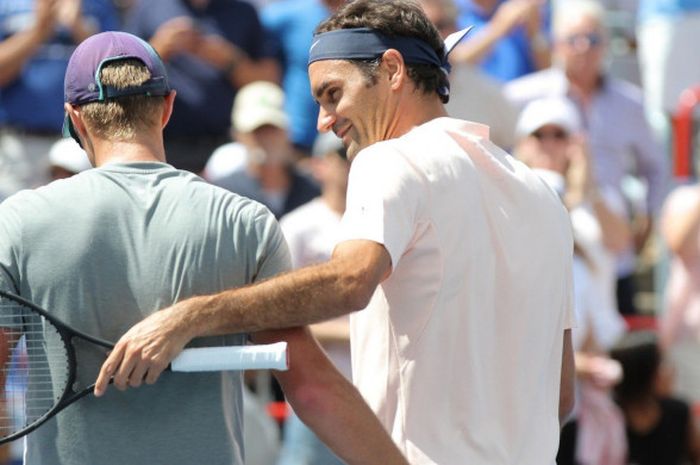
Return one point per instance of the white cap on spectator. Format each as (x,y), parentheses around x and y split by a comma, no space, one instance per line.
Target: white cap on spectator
(257,104)
(67,154)
(556,111)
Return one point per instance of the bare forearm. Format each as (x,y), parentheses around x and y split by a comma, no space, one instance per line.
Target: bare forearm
(348,426)
(329,404)
(302,297)
(15,51)
(616,231)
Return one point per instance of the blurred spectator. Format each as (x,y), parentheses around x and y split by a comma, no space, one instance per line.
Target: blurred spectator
(473,95)
(67,159)
(549,141)
(510,37)
(292,23)
(680,324)
(612,113)
(312,231)
(36,41)
(211,48)
(660,429)
(668,32)
(268,174)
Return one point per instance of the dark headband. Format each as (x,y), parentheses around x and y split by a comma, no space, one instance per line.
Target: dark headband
(369,44)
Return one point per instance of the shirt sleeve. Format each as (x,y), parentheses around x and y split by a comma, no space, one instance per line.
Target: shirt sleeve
(383,201)
(10,248)
(272,256)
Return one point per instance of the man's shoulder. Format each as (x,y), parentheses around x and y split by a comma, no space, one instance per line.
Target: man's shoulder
(625,90)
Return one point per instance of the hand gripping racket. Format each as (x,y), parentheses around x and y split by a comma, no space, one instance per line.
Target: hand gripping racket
(38,364)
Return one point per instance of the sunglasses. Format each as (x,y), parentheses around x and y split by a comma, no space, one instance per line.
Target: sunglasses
(556,134)
(584,41)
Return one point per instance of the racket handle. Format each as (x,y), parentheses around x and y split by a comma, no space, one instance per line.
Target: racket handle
(253,357)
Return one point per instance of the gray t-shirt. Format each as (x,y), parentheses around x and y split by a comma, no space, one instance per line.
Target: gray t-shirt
(106,248)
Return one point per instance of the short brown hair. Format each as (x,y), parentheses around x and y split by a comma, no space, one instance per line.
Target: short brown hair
(120,118)
(394,18)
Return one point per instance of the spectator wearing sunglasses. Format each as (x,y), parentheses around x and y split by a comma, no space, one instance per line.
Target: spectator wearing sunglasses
(612,115)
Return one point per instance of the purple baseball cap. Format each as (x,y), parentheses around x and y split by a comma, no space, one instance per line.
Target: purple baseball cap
(82,81)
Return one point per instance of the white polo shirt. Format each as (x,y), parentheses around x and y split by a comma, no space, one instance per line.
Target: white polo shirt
(459,351)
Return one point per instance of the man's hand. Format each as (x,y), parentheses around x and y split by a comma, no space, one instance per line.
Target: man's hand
(68,12)
(219,52)
(146,349)
(178,35)
(45,20)
(514,13)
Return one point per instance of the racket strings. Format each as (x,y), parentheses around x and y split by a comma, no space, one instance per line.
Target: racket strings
(35,366)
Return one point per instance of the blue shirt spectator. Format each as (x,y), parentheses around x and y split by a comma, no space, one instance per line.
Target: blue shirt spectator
(210,48)
(653,8)
(33,100)
(512,55)
(204,93)
(292,23)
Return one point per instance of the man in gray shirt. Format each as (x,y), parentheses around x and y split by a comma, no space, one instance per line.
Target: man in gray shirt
(113,244)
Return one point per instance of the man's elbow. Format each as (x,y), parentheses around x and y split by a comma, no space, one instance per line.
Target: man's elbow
(358,291)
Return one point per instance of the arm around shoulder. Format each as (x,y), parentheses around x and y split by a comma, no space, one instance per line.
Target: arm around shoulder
(329,404)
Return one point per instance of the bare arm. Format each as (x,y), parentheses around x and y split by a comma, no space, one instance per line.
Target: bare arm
(568,370)
(682,231)
(17,49)
(240,67)
(308,295)
(329,404)
(616,230)
(508,15)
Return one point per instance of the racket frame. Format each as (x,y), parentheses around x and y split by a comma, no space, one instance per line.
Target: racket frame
(69,394)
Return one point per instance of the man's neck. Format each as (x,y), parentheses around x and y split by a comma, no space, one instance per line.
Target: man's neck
(415,111)
(584,87)
(140,149)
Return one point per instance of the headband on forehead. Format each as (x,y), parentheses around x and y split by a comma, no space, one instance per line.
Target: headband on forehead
(369,44)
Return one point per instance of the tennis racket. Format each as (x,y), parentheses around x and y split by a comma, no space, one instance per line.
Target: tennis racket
(38,364)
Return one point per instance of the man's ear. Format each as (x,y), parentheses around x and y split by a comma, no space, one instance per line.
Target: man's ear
(393,64)
(74,115)
(168,108)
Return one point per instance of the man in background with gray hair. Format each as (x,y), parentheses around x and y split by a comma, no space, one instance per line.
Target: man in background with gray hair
(620,140)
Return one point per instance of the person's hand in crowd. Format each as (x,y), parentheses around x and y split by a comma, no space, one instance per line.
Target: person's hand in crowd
(176,36)
(530,152)
(599,370)
(219,52)
(234,63)
(45,19)
(69,13)
(580,179)
(513,13)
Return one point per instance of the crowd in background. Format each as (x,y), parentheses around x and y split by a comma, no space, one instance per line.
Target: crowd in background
(583,91)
